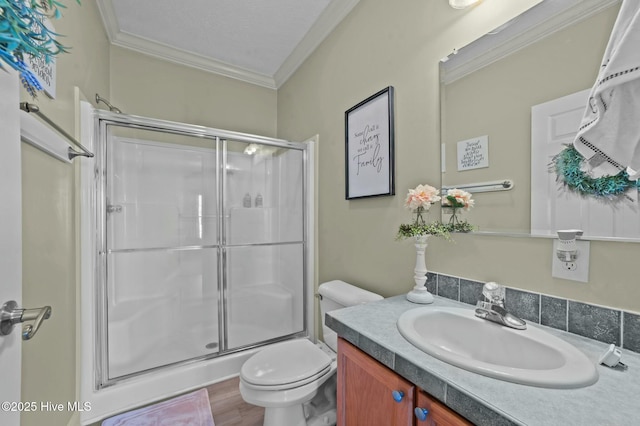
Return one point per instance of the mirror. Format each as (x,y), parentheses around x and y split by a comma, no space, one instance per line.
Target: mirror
(488,89)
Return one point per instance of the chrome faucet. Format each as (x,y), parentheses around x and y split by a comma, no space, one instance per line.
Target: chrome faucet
(492,309)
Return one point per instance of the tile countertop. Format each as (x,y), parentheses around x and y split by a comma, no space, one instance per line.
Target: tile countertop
(614,400)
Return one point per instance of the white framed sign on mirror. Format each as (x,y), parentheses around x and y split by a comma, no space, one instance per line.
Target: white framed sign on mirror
(473,153)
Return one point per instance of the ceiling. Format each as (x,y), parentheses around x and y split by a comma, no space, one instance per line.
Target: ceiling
(257,41)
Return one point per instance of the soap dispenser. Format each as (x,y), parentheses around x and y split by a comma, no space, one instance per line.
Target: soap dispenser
(246,201)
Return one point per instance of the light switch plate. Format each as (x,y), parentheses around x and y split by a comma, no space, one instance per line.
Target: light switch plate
(578,270)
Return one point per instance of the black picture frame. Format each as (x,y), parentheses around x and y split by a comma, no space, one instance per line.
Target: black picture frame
(369,147)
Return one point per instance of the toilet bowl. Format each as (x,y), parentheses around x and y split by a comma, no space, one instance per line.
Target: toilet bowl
(284,377)
(295,381)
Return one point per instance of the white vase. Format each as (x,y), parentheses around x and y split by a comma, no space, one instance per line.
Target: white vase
(420,294)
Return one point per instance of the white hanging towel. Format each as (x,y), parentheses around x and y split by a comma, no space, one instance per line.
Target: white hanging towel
(609,134)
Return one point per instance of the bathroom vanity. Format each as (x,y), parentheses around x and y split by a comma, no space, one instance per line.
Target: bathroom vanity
(374,356)
(388,400)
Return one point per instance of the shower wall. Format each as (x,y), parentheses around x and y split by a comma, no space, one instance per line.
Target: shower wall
(203,248)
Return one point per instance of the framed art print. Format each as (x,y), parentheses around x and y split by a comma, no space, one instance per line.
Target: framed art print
(369,147)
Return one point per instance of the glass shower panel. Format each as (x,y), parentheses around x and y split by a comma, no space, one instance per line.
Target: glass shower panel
(264,234)
(161,294)
(263,194)
(265,295)
(160,194)
(162,308)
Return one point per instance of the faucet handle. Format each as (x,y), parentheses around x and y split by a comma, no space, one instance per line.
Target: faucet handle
(494,293)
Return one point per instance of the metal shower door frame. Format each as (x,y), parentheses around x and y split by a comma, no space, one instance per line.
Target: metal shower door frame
(102,121)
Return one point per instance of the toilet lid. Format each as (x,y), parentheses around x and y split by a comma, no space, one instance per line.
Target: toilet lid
(288,362)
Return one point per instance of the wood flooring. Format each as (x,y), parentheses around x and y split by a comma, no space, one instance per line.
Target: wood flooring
(228,407)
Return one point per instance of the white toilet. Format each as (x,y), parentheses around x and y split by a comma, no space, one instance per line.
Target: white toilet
(295,380)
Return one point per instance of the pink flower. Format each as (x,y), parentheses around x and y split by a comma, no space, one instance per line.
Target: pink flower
(422,196)
(458,198)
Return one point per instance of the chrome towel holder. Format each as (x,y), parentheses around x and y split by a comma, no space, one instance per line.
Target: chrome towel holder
(35,109)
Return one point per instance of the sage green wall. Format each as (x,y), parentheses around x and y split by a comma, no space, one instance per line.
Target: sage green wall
(380,44)
(49,220)
(148,86)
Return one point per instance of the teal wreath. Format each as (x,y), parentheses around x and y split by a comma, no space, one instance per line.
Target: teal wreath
(567,167)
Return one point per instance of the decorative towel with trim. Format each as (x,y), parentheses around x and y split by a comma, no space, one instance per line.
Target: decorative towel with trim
(609,134)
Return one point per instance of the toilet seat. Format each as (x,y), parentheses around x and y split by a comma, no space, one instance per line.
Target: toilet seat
(285,366)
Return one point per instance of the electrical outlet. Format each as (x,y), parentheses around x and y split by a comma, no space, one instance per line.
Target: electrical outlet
(575,270)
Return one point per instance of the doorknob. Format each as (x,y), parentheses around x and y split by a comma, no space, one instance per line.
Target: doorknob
(11,315)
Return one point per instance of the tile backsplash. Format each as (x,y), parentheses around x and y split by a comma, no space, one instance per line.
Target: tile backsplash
(595,322)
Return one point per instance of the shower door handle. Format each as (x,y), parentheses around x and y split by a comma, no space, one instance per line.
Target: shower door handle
(11,315)
(114,208)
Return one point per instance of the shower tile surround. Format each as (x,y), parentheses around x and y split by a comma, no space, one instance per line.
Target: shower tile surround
(603,324)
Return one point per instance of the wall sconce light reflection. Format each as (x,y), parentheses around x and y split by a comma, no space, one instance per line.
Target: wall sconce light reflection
(462,4)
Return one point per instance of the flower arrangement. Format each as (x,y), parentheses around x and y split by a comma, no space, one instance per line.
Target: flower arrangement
(23,33)
(420,200)
(457,199)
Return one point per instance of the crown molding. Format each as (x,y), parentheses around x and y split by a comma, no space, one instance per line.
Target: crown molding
(545,21)
(109,20)
(171,54)
(328,20)
(193,60)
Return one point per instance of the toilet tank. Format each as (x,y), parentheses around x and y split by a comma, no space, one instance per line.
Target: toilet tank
(337,295)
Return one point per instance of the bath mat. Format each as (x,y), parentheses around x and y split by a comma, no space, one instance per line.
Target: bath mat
(192,409)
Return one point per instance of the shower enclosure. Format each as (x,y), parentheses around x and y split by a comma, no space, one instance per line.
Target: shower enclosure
(200,245)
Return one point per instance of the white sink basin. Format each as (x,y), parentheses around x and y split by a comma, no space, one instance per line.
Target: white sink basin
(530,357)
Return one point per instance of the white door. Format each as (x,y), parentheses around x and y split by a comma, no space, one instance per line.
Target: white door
(10,244)
(554,125)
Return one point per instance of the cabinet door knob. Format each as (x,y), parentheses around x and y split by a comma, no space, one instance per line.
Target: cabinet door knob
(421,413)
(397,395)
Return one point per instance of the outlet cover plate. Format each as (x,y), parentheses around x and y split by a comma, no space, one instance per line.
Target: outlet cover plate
(581,273)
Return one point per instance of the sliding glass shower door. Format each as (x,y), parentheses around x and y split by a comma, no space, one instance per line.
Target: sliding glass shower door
(201,244)
(264,242)
(161,294)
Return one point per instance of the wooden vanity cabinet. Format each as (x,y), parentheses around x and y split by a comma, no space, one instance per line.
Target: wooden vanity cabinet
(370,394)
(437,413)
(365,391)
